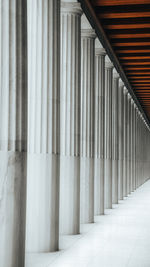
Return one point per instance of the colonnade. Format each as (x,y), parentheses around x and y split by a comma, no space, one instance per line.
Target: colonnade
(88,143)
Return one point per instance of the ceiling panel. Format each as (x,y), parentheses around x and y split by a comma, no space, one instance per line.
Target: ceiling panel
(126,24)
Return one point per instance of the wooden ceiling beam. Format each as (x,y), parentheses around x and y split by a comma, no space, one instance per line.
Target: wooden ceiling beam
(126,26)
(137,73)
(134,57)
(112,15)
(135,63)
(131,51)
(129,35)
(137,68)
(131,44)
(118,2)
(139,79)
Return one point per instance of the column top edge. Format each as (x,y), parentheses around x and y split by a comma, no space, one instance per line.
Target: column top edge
(121,83)
(100,51)
(71,7)
(125,90)
(90,33)
(115,74)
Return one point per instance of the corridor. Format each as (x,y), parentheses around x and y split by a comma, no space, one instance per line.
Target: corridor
(120,238)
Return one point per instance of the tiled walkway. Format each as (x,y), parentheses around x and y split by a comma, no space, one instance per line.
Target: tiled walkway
(121,238)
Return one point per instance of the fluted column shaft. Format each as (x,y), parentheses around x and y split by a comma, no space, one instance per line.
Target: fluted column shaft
(132,145)
(125,105)
(137,147)
(128,143)
(87,124)
(44,128)
(70,117)
(136,137)
(108,135)
(121,139)
(99,130)
(13,131)
(130,148)
(115,136)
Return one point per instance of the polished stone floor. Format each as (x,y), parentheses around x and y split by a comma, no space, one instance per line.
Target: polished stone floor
(120,238)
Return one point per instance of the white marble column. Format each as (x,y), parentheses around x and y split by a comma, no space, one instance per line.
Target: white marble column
(130,148)
(13,131)
(128,144)
(108,133)
(135,133)
(115,136)
(70,117)
(99,128)
(137,147)
(132,145)
(87,121)
(125,105)
(120,138)
(44,128)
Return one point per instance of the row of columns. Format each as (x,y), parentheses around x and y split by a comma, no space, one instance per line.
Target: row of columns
(88,144)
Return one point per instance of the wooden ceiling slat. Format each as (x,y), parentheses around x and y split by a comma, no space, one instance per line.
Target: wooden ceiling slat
(126,26)
(141,79)
(131,44)
(133,74)
(137,68)
(129,35)
(135,63)
(124,15)
(137,73)
(128,51)
(117,2)
(135,57)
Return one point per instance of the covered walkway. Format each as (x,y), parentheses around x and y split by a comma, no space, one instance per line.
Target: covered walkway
(120,238)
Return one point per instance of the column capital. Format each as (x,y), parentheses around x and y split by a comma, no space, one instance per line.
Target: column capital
(125,90)
(89,33)
(72,7)
(86,28)
(115,74)
(121,83)
(136,108)
(108,63)
(99,50)
(129,96)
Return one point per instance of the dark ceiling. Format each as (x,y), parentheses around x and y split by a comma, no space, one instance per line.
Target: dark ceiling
(126,24)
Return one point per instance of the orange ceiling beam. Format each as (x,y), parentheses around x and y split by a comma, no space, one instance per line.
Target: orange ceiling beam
(126,26)
(114,15)
(117,2)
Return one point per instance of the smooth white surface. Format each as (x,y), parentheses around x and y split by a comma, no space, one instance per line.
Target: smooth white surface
(121,238)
